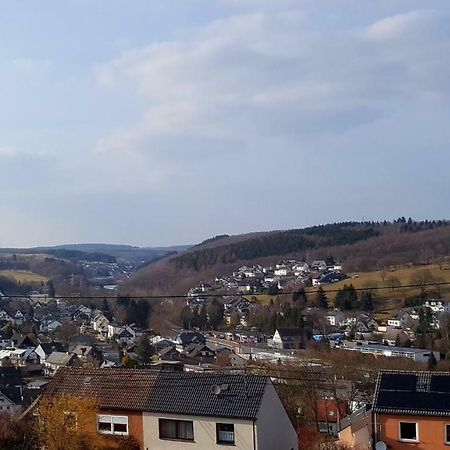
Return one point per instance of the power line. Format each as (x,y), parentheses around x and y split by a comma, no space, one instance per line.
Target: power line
(184,296)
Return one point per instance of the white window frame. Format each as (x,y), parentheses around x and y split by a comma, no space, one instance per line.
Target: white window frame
(400,435)
(112,419)
(446,442)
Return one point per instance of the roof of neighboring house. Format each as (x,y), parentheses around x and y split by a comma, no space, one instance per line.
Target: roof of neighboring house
(14,394)
(187,337)
(50,347)
(409,392)
(289,332)
(184,393)
(82,350)
(327,410)
(59,358)
(10,376)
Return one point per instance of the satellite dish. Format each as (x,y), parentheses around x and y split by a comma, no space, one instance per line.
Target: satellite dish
(380,445)
(216,389)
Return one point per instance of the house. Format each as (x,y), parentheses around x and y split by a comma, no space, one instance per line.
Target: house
(182,410)
(189,337)
(319,265)
(438,305)
(335,318)
(395,336)
(356,429)
(199,351)
(10,389)
(281,270)
(18,357)
(365,323)
(401,320)
(329,413)
(412,410)
(19,318)
(57,360)
(286,338)
(169,353)
(100,324)
(46,348)
(4,316)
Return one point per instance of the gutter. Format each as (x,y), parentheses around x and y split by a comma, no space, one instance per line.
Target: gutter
(254,435)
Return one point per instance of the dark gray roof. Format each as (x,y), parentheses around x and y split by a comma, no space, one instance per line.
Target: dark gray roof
(183,393)
(10,376)
(408,392)
(289,332)
(192,394)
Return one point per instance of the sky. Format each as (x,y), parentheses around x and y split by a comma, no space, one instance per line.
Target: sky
(167,122)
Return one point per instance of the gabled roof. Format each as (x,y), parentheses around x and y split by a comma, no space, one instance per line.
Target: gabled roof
(50,347)
(408,392)
(59,358)
(289,332)
(183,393)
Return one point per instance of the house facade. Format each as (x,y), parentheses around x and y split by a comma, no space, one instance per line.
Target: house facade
(412,410)
(179,410)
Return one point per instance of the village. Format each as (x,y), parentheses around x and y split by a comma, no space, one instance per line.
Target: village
(47,343)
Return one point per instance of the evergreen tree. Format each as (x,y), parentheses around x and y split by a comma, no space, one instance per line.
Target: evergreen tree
(215,313)
(367,301)
(51,289)
(186,318)
(321,298)
(144,350)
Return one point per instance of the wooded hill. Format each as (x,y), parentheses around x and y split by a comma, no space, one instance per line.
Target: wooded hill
(359,246)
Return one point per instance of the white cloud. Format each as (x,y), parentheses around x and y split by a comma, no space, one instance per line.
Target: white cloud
(264,75)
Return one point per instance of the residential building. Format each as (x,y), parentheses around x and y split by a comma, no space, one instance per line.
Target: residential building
(356,429)
(57,360)
(412,410)
(401,320)
(417,354)
(286,338)
(164,410)
(329,413)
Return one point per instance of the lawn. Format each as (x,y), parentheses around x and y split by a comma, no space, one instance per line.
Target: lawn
(23,276)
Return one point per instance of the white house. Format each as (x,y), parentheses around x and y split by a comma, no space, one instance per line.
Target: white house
(164,410)
(335,318)
(401,320)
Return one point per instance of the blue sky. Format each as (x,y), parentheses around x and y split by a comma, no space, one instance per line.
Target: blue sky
(167,122)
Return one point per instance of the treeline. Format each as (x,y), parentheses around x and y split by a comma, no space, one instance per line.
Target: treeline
(78,255)
(11,287)
(201,317)
(277,243)
(130,310)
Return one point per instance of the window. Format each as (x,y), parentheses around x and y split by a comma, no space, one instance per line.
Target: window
(225,433)
(409,432)
(447,433)
(176,429)
(70,420)
(112,424)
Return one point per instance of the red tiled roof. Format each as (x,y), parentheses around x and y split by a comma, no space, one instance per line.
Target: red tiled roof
(327,410)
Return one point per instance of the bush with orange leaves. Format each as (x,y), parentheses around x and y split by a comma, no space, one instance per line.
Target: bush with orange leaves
(67,422)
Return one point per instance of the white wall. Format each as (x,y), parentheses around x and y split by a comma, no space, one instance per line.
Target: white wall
(274,430)
(204,433)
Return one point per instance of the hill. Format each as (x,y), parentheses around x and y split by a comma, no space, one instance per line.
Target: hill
(359,246)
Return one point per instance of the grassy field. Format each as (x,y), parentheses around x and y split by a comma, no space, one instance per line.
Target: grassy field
(388,297)
(23,276)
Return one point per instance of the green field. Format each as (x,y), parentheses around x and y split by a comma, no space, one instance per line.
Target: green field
(23,276)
